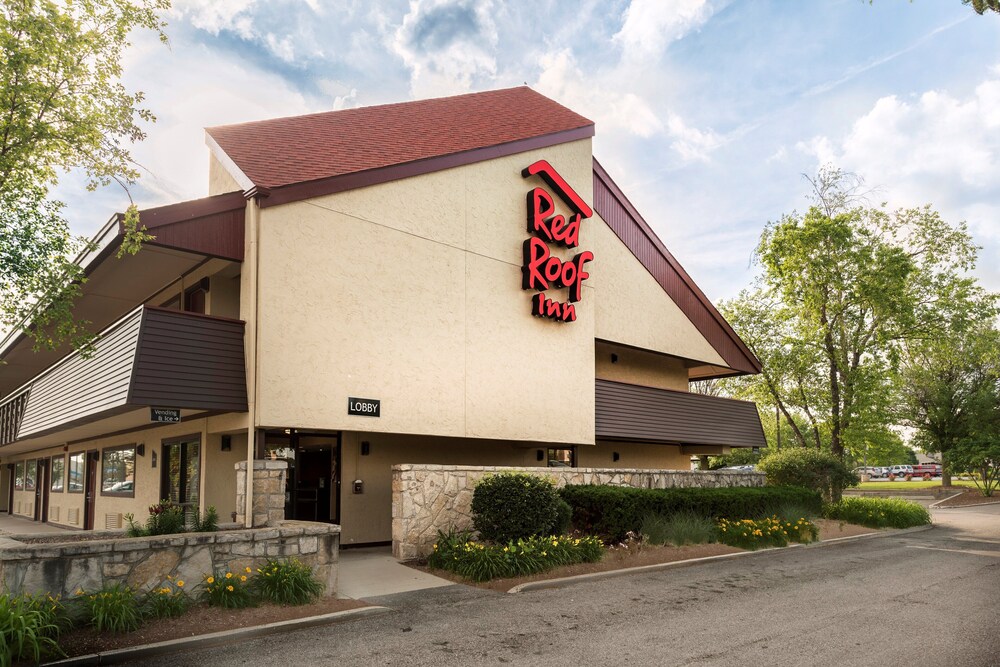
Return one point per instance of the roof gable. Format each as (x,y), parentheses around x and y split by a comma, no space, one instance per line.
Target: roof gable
(339,150)
(626,222)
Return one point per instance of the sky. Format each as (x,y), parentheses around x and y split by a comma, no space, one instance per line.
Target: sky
(708,112)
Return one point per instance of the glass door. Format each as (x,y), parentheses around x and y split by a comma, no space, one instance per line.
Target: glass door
(181,466)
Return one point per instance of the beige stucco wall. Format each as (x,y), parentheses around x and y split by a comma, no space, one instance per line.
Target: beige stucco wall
(219,180)
(639,367)
(218,478)
(410,292)
(632,455)
(634,310)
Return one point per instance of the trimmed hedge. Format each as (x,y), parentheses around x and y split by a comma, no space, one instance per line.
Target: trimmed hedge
(613,511)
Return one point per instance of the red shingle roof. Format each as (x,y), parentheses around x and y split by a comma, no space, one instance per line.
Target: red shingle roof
(285,151)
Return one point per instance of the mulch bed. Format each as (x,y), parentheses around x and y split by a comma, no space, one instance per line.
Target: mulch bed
(647,555)
(970,497)
(199,620)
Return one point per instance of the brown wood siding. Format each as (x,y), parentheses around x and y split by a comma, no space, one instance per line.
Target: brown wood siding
(644,414)
(186,360)
(635,233)
(79,387)
(211,226)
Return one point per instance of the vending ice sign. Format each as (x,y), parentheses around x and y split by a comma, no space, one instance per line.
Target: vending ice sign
(541,269)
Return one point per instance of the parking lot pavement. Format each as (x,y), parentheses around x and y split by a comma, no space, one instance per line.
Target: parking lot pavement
(935,590)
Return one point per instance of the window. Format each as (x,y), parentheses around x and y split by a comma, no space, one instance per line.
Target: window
(19,476)
(562,458)
(30,467)
(181,470)
(76,471)
(118,471)
(58,474)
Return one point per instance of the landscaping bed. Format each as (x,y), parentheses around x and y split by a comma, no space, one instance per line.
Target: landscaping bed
(646,555)
(198,620)
(970,497)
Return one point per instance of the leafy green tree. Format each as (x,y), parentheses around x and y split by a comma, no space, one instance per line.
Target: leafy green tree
(800,466)
(983,6)
(843,287)
(982,458)
(62,107)
(949,388)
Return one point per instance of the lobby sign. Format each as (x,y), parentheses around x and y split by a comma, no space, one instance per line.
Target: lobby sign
(364,407)
(541,269)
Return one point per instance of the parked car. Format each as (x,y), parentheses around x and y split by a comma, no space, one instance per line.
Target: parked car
(871,471)
(901,471)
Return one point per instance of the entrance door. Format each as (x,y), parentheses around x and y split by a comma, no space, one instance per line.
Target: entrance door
(42,483)
(89,498)
(316,491)
(182,472)
(10,488)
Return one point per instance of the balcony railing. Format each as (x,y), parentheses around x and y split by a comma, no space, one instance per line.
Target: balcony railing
(150,357)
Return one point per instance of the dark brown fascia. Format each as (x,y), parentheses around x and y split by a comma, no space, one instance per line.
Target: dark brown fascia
(752,361)
(188,210)
(327,186)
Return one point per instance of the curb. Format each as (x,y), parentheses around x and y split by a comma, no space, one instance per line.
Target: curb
(657,567)
(935,504)
(123,655)
(958,507)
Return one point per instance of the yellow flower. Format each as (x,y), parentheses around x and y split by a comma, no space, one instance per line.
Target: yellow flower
(243,578)
(248,570)
(229,588)
(210,580)
(180,584)
(229,575)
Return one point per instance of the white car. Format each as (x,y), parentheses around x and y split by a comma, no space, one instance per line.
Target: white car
(901,471)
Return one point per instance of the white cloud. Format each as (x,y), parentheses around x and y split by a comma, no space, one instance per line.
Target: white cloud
(933,138)
(690,142)
(651,25)
(448,45)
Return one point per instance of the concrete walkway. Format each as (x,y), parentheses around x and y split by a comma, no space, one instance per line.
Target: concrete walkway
(17,525)
(372,572)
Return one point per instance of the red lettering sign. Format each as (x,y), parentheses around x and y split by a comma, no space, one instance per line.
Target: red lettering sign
(542,270)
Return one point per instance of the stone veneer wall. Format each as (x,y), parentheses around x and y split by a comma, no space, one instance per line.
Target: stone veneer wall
(90,560)
(268,492)
(428,498)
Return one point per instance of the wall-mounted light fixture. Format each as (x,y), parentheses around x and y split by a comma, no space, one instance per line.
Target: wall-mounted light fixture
(614,358)
(140,449)
(366,449)
(227,443)
(154,459)
(66,447)
(540,455)
(615,456)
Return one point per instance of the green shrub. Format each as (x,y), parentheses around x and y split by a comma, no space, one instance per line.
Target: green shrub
(165,518)
(794,511)
(770,532)
(230,590)
(112,609)
(809,468)
(207,524)
(510,506)
(878,512)
(287,582)
(614,511)
(678,529)
(564,518)
(29,628)
(167,601)
(479,561)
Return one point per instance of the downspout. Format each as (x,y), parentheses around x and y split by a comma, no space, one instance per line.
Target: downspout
(253,218)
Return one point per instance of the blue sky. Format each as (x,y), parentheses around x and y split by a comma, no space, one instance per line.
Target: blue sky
(708,112)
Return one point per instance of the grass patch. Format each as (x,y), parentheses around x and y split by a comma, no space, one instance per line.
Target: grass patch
(878,512)
(678,529)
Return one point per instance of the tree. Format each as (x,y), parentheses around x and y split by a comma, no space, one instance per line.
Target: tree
(62,106)
(843,287)
(949,388)
(983,6)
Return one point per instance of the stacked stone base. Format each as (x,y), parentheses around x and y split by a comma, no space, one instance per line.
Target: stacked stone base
(144,563)
(268,492)
(429,498)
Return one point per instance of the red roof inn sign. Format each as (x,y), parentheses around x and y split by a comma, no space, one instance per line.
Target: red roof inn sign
(541,269)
